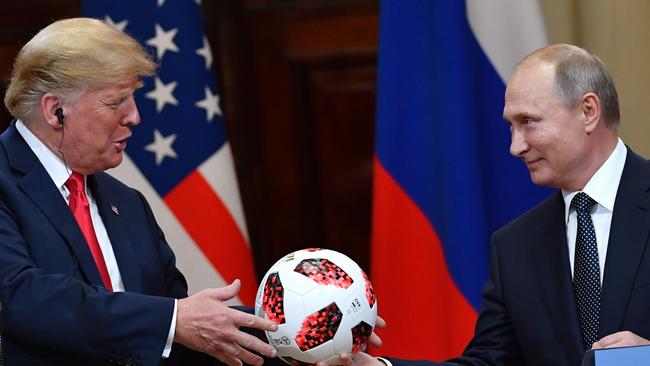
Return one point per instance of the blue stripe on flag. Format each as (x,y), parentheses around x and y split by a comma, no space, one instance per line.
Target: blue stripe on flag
(196,138)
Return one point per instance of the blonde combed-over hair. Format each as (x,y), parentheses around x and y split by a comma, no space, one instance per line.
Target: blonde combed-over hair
(69,57)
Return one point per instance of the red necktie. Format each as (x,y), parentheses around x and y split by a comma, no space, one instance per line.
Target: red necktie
(81,211)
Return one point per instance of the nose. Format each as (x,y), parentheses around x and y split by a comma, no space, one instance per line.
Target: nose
(132,116)
(518,144)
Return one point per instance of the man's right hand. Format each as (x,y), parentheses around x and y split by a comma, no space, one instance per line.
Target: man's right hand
(205,324)
(362,358)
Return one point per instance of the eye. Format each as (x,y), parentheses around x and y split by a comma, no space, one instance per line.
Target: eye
(118,103)
(527,121)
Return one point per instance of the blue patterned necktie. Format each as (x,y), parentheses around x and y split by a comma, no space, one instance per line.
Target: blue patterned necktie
(586,270)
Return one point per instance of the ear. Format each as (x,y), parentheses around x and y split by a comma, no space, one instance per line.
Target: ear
(49,104)
(590,111)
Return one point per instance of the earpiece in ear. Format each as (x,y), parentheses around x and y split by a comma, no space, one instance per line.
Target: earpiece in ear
(59,115)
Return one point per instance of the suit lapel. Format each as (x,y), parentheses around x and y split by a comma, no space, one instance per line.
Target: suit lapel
(34,181)
(550,258)
(627,241)
(125,256)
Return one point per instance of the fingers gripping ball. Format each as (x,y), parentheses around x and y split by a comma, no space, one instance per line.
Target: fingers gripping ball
(323,303)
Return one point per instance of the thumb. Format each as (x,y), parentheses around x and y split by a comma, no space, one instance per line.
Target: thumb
(228,292)
(381,323)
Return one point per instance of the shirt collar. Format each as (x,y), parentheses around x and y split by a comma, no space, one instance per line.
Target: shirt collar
(599,187)
(54,166)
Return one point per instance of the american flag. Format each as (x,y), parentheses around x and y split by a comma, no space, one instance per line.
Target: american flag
(179,156)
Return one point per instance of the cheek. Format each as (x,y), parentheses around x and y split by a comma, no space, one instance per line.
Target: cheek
(105,133)
(94,143)
(565,144)
(549,139)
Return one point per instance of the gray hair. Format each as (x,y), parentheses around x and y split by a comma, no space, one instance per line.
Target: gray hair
(578,72)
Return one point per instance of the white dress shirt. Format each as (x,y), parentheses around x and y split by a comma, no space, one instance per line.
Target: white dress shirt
(60,173)
(602,188)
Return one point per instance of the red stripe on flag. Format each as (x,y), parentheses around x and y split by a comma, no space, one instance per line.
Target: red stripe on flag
(207,220)
(427,315)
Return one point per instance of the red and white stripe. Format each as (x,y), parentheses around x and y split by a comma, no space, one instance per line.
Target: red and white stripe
(203,222)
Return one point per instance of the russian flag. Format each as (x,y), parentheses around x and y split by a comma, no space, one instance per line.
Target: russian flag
(443,176)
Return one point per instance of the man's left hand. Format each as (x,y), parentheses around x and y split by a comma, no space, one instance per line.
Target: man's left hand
(620,339)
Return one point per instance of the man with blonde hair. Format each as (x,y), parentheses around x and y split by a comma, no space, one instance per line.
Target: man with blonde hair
(86,276)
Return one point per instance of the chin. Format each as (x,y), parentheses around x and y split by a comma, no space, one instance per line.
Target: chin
(114,162)
(545,181)
(540,179)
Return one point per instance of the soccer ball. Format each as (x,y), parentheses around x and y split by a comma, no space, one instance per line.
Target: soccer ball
(323,303)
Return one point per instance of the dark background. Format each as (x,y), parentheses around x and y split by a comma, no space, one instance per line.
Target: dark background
(297,80)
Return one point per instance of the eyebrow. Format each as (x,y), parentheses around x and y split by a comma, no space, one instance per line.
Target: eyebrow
(522,115)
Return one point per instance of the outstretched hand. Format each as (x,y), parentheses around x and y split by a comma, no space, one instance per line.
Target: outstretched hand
(362,358)
(205,324)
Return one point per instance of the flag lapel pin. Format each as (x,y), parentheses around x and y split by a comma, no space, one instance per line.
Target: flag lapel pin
(115,210)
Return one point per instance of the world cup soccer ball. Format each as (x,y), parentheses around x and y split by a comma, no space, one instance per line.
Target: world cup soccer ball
(323,304)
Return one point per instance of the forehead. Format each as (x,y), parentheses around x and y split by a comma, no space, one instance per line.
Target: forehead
(530,88)
(115,90)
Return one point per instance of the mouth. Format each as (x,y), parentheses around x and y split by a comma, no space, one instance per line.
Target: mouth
(121,144)
(531,163)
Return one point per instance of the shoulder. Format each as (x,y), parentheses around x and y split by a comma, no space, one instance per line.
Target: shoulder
(635,164)
(11,143)
(549,210)
(107,187)
(104,178)
(106,181)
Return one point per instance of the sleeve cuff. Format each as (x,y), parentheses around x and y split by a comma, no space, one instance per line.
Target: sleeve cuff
(172,331)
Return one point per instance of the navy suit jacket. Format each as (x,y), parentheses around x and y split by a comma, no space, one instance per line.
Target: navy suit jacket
(54,308)
(529,315)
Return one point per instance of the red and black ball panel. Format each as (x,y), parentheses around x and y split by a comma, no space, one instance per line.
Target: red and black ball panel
(319,327)
(370,292)
(324,272)
(273,300)
(360,334)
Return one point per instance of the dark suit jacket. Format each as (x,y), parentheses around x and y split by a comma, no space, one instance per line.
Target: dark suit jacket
(54,309)
(529,314)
